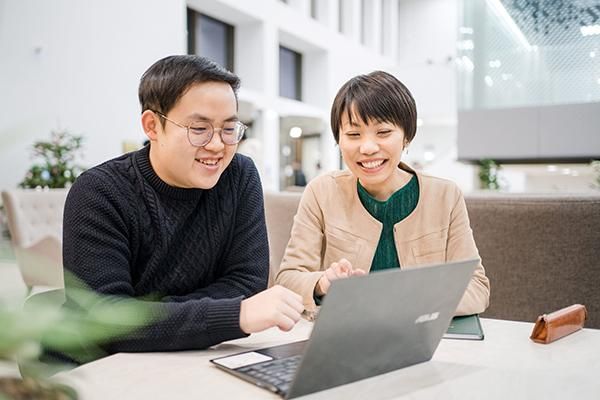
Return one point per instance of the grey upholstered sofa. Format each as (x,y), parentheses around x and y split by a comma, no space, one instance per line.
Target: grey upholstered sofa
(541,252)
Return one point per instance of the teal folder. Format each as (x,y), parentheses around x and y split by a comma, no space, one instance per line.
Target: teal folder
(465,327)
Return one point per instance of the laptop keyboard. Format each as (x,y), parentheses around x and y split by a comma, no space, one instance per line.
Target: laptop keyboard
(278,373)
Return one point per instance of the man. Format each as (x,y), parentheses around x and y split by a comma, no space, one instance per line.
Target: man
(181,220)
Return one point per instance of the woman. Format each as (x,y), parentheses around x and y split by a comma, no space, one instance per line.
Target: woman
(380,214)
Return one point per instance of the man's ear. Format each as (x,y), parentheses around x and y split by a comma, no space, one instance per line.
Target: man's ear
(150,124)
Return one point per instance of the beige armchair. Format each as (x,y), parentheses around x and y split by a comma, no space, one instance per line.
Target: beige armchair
(280,209)
(35,224)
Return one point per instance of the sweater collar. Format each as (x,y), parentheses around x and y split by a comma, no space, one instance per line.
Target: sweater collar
(142,160)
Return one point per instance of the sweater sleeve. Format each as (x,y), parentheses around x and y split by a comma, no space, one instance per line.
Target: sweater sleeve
(245,265)
(96,250)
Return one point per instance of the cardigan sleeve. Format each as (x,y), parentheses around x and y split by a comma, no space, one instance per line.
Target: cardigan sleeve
(461,245)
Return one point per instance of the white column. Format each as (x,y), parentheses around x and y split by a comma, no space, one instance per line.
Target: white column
(315,76)
(372,21)
(269,119)
(328,13)
(249,63)
(257,64)
(351,18)
(330,152)
(268,124)
(390,31)
(302,6)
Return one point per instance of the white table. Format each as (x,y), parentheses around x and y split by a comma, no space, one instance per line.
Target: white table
(506,365)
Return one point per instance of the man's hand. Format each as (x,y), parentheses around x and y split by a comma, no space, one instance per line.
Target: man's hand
(277,306)
(337,270)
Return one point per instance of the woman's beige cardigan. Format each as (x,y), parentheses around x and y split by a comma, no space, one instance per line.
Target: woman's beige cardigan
(332,223)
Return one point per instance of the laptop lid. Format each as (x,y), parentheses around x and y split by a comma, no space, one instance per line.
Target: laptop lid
(374,324)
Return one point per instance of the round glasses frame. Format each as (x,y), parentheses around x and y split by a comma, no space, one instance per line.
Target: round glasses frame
(238,132)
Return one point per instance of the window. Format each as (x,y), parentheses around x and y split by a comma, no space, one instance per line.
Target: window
(341,16)
(290,73)
(385,28)
(364,21)
(313,9)
(211,38)
(521,55)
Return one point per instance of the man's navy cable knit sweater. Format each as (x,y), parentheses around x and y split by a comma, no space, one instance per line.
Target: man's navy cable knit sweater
(127,233)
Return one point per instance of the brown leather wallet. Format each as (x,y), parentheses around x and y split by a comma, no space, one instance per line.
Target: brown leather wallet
(553,326)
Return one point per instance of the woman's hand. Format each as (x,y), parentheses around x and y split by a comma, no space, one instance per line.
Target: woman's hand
(337,270)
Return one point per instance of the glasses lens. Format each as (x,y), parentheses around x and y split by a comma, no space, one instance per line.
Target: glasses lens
(232,132)
(200,133)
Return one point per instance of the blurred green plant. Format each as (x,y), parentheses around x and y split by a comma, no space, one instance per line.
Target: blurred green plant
(56,169)
(3,224)
(77,331)
(488,174)
(595,164)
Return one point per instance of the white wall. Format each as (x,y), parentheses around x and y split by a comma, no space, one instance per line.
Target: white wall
(426,51)
(329,59)
(427,47)
(76,65)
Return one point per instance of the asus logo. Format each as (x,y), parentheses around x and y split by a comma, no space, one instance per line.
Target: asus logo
(427,317)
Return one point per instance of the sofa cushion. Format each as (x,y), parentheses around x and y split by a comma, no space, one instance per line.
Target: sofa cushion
(541,253)
(280,209)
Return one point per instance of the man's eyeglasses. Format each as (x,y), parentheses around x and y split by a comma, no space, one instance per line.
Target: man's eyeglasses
(200,133)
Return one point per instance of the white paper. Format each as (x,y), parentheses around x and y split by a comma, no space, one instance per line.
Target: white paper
(241,360)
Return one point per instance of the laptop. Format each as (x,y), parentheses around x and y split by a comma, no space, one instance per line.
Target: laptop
(368,325)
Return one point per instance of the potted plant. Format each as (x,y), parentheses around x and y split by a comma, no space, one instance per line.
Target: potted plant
(596,171)
(4,234)
(78,334)
(488,174)
(57,168)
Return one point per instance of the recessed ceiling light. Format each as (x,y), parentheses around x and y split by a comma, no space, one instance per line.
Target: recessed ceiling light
(590,30)
(469,66)
(465,45)
(428,155)
(295,132)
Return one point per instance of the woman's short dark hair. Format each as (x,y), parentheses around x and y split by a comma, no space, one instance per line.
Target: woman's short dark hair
(168,79)
(378,96)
